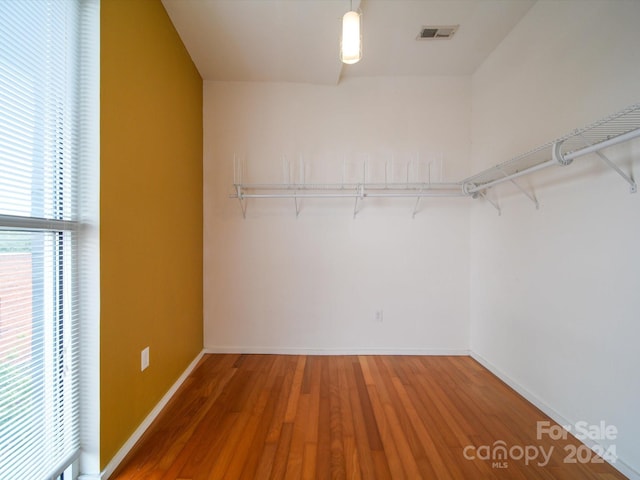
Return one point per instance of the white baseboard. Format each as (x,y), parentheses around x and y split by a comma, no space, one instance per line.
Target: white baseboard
(336,351)
(619,465)
(126,448)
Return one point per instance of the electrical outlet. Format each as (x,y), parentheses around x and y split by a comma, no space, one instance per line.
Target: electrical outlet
(144,359)
(379,315)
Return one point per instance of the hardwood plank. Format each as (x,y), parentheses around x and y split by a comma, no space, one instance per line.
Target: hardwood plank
(296,389)
(265,465)
(252,404)
(298,441)
(279,467)
(306,376)
(239,361)
(366,370)
(373,434)
(437,434)
(282,401)
(406,430)
(439,468)
(309,461)
(352,464)
(245,460)
(401,431)
(351,458)
(323,462)
(390,449)
(336,423)
(367,460)
(312,425)
(305,425)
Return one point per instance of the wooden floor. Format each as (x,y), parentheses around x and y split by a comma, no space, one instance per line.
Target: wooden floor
(352,417)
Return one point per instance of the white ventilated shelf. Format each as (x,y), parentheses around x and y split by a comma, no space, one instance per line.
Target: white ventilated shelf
(620,127)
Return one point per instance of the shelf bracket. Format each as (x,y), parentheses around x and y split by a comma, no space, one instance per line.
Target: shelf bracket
(242,200)
(359,196)
(295,200)
(633,187)
(415,207)
(524,192)
(494,204)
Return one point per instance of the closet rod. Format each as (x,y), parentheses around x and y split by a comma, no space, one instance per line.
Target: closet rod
(349,195)
(348,186)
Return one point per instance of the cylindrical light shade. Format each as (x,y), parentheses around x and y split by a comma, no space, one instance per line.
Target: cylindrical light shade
(351,45)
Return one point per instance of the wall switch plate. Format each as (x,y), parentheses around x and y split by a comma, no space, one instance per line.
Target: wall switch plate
(379,315)
(144,359)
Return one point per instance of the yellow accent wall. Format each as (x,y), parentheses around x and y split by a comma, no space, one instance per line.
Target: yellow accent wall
(150,212)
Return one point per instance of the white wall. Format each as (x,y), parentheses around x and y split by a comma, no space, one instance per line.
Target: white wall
(555,293)
(274,282)
(550,296)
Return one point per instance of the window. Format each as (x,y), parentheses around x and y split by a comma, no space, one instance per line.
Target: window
(40,156)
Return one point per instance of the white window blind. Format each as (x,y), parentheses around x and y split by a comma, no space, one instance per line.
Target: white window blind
(39,145)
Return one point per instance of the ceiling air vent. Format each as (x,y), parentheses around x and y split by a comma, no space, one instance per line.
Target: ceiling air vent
(438,32)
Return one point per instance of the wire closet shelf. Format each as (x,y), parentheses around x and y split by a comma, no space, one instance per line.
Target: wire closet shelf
(617,128)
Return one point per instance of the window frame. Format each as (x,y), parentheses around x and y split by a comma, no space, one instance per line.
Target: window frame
(73,266)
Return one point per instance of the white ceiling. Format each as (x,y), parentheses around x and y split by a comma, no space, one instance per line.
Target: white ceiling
(298,40)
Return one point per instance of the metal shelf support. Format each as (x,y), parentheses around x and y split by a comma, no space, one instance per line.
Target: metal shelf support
(527,194)
(243,202)
(493,204)
(633,187)
(359,196)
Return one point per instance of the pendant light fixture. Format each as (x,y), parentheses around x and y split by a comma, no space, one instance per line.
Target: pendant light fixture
(351,42)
